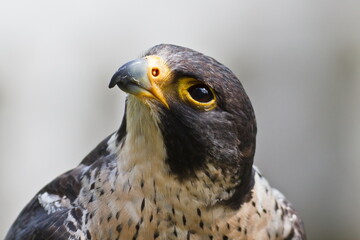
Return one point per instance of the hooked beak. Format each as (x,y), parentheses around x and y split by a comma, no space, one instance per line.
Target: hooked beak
(141,78)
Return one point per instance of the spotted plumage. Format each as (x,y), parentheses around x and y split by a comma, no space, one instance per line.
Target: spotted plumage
(179,167)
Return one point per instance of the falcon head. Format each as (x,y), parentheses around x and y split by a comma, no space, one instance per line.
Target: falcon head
(205,118)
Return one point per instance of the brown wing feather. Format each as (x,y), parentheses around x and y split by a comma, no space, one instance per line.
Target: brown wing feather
(34,222)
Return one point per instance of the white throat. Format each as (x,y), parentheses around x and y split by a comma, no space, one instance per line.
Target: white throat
(143,146)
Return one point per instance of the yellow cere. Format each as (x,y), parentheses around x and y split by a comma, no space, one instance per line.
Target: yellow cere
(184,84)
(158,74)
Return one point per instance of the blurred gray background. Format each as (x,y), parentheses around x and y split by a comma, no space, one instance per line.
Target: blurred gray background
(298,60)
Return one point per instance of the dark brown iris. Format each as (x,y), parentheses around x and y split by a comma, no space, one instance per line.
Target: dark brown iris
(201,93)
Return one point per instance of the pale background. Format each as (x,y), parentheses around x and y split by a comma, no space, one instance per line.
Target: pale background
(298,60)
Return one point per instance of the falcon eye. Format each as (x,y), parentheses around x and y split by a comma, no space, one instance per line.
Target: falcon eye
(201,93)
(196,94)
(155,72)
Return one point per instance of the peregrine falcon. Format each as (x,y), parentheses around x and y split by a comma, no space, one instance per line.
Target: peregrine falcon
(179,167)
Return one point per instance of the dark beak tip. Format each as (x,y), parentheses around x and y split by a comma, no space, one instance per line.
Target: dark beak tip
(111,85)
(113,80)
(128,73)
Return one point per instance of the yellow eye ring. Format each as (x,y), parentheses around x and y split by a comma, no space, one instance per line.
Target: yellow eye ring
(197,94)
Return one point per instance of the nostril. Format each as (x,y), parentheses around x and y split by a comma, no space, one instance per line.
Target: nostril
(155,72)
